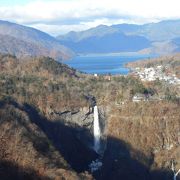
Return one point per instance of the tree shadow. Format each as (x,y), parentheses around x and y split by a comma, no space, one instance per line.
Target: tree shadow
(121,161)
(11,171)
(64,139)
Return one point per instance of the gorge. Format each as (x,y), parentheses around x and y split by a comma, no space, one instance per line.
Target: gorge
(89,90)
(78,126)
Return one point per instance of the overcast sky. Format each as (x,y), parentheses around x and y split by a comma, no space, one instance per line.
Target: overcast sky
(60,16)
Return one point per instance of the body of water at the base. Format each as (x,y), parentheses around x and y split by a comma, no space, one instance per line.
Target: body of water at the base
(104,64)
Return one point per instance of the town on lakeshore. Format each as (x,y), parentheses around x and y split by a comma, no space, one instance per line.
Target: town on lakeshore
(154,73)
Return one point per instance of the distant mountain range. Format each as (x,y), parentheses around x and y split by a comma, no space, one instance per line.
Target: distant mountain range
(153,38)
(25,41)
(158,38)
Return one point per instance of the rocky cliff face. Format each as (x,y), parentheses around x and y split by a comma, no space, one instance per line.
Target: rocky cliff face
(82,120)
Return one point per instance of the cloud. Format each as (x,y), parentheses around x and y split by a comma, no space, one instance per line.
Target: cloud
(54,15)
(59,29)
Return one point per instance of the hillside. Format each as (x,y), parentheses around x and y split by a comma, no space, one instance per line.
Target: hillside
(176,41)
(171,63)
(25,41)
(153,38)
(20,48)
(46,123)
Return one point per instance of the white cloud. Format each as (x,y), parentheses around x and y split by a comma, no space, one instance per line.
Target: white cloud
(59,29)
(54,15)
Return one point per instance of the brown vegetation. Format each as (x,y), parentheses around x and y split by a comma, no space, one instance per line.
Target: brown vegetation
(171,62)
(30,142)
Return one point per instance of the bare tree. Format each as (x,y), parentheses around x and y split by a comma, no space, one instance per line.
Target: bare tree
(174,171)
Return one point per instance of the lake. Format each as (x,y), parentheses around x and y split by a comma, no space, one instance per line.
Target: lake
(104,64)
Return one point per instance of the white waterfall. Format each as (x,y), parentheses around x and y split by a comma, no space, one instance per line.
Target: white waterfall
(96,164)
(97,132)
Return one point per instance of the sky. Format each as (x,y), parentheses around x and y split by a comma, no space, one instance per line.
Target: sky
(61,16)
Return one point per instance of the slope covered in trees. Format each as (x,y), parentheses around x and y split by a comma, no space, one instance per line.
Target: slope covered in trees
(41,138)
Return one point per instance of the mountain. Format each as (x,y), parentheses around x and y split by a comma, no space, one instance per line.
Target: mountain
(25,41)
(153,38)
(103,39)
(162,31)
(176,41)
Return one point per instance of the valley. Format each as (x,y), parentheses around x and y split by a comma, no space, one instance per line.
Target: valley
(89,90)
(47,115)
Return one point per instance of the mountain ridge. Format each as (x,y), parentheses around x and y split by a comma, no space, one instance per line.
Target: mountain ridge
(157,37)
(32,39)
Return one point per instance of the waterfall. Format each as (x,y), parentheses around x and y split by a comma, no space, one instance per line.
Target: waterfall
(96,164)
(97,132)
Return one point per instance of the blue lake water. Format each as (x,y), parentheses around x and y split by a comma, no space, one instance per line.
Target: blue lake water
(104,64)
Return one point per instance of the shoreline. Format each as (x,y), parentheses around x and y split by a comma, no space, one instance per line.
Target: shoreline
(125,54)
